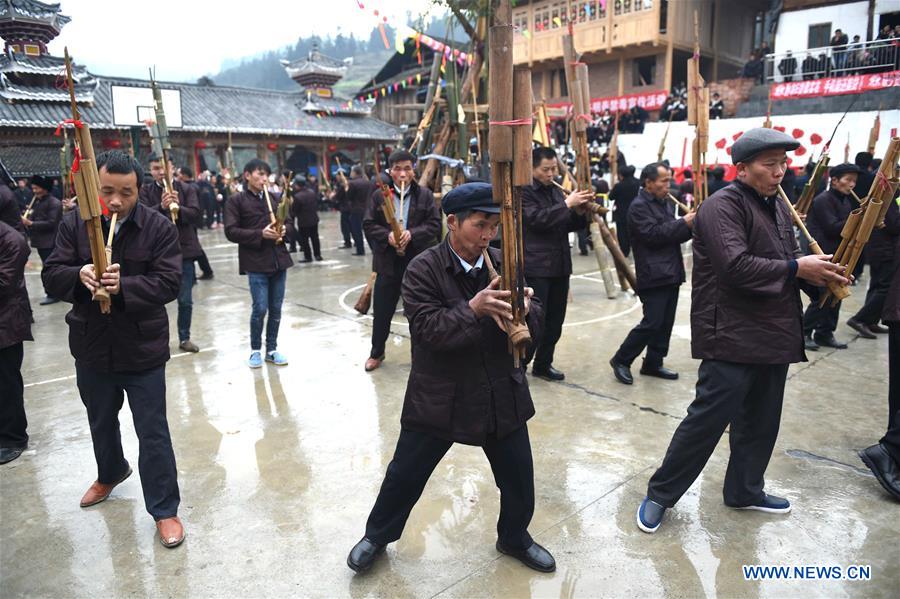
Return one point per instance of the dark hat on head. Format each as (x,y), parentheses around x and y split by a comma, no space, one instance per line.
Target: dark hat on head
(41,181)
(756,141)
(843,169)
(470,196)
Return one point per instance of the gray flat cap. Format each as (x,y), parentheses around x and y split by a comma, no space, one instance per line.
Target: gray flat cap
(754,141)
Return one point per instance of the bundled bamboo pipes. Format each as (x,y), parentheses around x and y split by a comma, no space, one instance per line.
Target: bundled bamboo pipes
(862,221)
(509,138)
(87,188)
(809,190)
(162,134)
(698,115)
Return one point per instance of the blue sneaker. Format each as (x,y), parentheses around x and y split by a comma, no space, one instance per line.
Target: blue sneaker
(255,360)
(769,504)
(276,358)
(649,515)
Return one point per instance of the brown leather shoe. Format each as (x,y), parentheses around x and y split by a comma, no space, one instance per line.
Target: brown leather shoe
(99,492)
(373,363)
(171,531)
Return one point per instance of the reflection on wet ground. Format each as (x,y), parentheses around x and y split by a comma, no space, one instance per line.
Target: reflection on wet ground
(279,467)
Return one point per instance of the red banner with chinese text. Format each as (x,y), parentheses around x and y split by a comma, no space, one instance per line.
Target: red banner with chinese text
(834,86)
(646,100)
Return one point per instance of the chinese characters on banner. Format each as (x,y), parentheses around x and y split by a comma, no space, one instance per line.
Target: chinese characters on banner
(834,86)
(646,100)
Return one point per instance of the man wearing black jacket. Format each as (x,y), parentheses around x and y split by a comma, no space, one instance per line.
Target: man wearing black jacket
(304,209)
(154,196)
(420,224)
(881,253)
(262,256)
(826,218)
(463,386)
(124,352)
(657,237)
(548,217)
(42,222)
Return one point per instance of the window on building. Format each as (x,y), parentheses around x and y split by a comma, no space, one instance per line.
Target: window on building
(643,71)
(819,35)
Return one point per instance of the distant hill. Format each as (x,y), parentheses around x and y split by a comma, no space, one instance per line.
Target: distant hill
(266,72)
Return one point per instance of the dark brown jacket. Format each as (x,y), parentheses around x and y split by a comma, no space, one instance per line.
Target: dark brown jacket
(9,209)
(546,224)
(745,304)
(45,216)
(462,384)
(891,311)
(826,218)
(15,310)
(189,214)
(883,242)
(357,196)
(424,226)
(246,215)
(656,238)
(134,336)
(305,208)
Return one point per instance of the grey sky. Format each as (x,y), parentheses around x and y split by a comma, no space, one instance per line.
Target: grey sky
(189,38)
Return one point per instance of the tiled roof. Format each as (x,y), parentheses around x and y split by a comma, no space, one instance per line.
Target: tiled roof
(25,161)
(213,109)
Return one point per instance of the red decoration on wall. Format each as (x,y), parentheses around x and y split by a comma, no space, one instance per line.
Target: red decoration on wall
(797,133)
(332,148)
(779,128)
(273,147)
(737,135)
(800,151)
(815,139)
(721,143)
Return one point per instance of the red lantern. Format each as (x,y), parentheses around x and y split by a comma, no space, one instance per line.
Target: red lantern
(200,144)
(273,147)
(332,148)
(112,144)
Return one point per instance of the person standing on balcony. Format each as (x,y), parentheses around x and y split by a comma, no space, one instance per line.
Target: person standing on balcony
(787,67)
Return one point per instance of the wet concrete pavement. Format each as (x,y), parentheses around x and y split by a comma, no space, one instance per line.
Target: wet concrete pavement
(279,467)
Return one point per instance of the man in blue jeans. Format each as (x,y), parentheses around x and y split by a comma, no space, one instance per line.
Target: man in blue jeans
(153,195)
(262,256)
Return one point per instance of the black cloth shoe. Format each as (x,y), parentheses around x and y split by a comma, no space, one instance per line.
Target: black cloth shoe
(622,372)
(8,454)
(363,555)
(305,260)
(206,276)
(359,253)
(809,344)
(319,258)
(660,372)
(347,245)
(535,557)
(549,373)
(829,341)
(878,329)
(861,329)
(48,300)
(883,466)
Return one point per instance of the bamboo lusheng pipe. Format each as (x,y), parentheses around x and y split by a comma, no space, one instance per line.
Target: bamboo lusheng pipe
(885,182)
(836,289)
(622,265)
(87,188)
(804,202)
(592,207)
(662,142)
(341,177)
(364,302)
(273,220)
(29,208)
(684,207)
(163,130)
(602,261)
(387,206)
(519,335)
(109,238)
(874,132)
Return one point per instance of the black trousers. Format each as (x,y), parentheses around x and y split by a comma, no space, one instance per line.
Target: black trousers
(305,234)
(415,458)
(345,227)
(821,322)
(654,330)
(891,439)
(13,423)
(622,236)
(44,253)
(102,394)
(356,230)
(881,272)
(746,396)
(554,295)
(385,295)
(203,263)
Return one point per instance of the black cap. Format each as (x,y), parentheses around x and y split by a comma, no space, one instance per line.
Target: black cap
(470,196)
(759,140)
(41,181)
(843,169)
